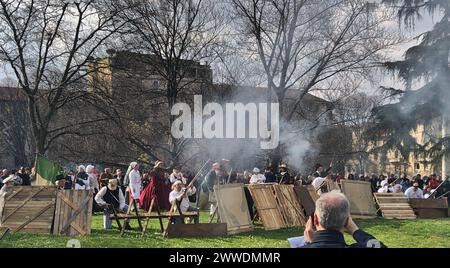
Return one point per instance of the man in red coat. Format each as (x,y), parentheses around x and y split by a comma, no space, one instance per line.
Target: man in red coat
(158,188)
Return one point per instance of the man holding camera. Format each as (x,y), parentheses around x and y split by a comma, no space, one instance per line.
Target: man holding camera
(332,219)
(181,195)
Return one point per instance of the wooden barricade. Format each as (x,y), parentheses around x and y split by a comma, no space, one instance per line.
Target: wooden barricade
(312,193)
(29,209)
(73,214)
(267,206)
(232,208)
(430,208)
(277,206)
(360,195)
(305,199)
(395,206)
(289,205)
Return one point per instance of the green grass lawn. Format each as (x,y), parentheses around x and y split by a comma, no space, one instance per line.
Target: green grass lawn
(394,233)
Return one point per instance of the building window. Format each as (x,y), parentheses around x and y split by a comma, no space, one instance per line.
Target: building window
(417,166)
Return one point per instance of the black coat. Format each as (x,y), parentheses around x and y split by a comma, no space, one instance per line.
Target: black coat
(335,239)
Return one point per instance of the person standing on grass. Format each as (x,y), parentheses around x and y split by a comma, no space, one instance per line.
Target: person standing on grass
(111,197)
(332,219)
(158,189)
(92,178)
(8,185)
(134,182)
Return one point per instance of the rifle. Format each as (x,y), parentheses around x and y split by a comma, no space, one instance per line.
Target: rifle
(229,176)
(198,173)
(435,191)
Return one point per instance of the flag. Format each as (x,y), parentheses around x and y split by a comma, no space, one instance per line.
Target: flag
(46,170)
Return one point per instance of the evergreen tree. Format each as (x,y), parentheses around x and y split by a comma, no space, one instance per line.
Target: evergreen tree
(426,64)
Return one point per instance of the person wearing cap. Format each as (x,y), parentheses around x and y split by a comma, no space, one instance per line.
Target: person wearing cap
(60,182)
(8,185)
(320,185)
(212,178)
(181,195)
(134,182)
(414,192)
(158,188)
(110,197)
(385,187)
(105,177)
(257,177)
(285,177)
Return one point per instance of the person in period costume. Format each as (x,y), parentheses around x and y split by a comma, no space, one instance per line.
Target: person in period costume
(8,185)
(158,188)
(134,181)
(257,177)
(181,195)
(211,179)
(105,177)
(111,197)
(284,176)
(270,176)
(321,172)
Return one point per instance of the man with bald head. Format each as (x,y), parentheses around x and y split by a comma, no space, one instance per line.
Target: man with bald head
(332,219)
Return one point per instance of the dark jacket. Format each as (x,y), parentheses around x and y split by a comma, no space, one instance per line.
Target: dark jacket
(209,182)
(335,239)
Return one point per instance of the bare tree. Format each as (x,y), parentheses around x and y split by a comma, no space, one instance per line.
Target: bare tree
(49,45)
(14,125)
(303,45)
(177,34)
(355,114)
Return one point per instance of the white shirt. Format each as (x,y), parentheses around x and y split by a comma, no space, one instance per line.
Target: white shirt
(411,194)
(386,189)
(99,198)
(135,181)
(257,178)
(184,205)
(93,182)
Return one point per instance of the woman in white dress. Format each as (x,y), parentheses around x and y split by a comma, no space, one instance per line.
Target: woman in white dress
(135,182)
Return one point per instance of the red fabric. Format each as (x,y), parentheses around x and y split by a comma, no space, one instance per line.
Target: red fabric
(433,183)
(162,191)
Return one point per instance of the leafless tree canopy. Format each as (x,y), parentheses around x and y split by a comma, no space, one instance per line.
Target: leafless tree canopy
(49,45)
(303,44)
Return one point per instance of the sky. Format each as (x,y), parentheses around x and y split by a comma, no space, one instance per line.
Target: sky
(395,53)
